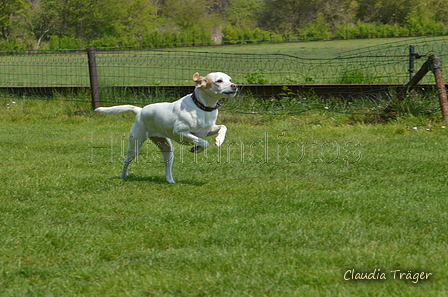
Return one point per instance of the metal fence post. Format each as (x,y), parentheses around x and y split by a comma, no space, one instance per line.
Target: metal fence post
(94,87)
(411,61)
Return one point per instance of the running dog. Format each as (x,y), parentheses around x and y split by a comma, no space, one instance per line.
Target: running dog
(187,121)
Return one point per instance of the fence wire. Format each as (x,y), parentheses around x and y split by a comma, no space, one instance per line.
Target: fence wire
(382,64)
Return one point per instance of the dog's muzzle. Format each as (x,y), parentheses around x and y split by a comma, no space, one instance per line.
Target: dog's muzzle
(234,88)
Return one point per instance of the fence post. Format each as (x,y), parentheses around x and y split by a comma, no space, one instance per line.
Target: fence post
(434,64)
(94,87)
(436,68)
(411,61)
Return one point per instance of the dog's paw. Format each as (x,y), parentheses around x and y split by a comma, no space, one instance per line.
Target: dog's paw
(196,149)
(219,141)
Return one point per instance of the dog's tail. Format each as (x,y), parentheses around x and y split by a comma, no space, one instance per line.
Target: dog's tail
(119,109)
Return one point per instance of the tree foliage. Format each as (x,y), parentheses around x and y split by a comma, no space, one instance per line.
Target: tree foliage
(9,9)
(81,23)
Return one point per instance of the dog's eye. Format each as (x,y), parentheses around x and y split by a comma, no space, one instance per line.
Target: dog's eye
(219,81)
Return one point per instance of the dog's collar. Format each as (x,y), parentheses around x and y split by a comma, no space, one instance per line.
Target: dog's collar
(202,106)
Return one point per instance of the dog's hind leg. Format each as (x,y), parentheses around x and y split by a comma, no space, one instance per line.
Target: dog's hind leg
(166,148)
(136,139)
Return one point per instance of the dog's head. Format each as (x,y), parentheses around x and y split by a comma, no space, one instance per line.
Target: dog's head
(217,83)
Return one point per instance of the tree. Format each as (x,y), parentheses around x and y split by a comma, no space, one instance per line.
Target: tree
(243,13)
(338,12)
(9,9)
(40,20)
(139,17)
(384,11)
(134,22)
(185,14)
(87,21)
(421,20)
(286,15)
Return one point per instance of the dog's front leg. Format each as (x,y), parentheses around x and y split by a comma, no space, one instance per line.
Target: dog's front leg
(221,131)
(200,143)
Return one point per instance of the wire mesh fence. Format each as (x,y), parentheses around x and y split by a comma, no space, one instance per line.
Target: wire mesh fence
(121,70)
(43,69)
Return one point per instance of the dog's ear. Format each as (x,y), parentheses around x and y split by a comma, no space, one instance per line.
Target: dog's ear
(196,77)
(201,82)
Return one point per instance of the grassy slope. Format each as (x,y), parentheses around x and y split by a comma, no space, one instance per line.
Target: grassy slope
(69,227)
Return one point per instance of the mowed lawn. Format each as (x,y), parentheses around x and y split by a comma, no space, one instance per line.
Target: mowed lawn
(297,205)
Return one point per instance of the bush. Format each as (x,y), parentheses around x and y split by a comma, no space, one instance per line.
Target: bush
(196,35)
(235,35)
(257,78)
(416,25)
(367,30)
(318,30)
(65,42)
(154,39)
(12,45)
(347,31)
(112,41)
(420,23)
(390,30)
(230,34)
(190,37)
(354,76)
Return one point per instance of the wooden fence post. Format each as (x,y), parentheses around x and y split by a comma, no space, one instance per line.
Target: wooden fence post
(434,64)
(415,79)
(94,87)
(436,68)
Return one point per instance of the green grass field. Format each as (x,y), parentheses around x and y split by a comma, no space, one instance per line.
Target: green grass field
(307,49)
(291,205)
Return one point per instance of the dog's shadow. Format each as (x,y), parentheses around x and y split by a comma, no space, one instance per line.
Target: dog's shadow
(157,180)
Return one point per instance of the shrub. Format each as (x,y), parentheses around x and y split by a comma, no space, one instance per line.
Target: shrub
(12,44)
(230,34)
(257,78)
(354,76)
(65,42)
(112,41)
(390,30)
(420,23)
(235,35)
(317,31)
(347,31)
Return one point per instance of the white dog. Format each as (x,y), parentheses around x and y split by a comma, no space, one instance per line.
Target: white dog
(187,121)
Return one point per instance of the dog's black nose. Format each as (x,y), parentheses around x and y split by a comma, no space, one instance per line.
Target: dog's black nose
(233,86)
